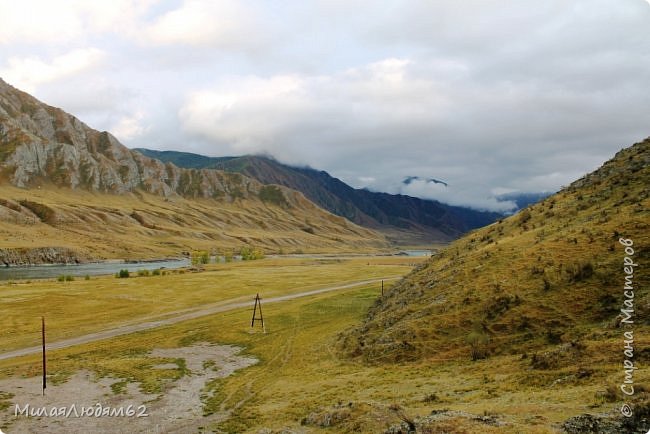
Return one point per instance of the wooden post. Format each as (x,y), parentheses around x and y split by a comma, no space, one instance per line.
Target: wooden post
(258,302)
(382,287)
(44,358)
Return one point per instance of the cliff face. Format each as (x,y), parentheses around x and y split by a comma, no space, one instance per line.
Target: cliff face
(40,143)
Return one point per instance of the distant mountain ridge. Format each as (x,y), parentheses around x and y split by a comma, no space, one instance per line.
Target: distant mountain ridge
(403,219)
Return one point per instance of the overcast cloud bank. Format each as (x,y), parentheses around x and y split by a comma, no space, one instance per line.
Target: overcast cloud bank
(489,96)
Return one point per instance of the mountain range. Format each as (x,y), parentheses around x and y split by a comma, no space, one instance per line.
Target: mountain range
(403,219)
(66,186)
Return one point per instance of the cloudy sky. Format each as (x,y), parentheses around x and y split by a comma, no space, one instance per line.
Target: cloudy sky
(488,96)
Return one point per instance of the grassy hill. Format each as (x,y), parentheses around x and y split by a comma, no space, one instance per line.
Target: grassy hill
(549,278)
(141,225)
(403,219)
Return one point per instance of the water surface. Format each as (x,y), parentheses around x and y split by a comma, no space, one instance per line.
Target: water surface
(92,269)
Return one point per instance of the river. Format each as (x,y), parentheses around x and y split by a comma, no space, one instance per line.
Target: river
(90,269)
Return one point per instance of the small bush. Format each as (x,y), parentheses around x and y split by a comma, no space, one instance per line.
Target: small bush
(61,278)
(250,254)
(200,257)
(143,273)
(524,216)
(86,277)
(156,272)
(478,345)
(432,397)
(122,274)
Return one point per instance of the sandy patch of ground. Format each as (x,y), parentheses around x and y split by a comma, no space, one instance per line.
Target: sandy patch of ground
(178,410)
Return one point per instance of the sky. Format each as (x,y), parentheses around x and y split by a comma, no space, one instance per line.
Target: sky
(489,96)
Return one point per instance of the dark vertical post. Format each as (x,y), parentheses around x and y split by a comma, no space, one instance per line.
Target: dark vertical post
(257,297)
(258,302)
(382,287)
(44,358)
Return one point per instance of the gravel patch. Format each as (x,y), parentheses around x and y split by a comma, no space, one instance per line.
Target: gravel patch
(178,410)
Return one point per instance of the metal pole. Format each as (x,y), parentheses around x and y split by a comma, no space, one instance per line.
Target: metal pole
(261,316)
(44,358)
(257,297)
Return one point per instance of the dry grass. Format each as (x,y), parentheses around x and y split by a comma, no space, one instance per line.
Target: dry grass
(84,306)
(140,225)
(551,274)
(301,380)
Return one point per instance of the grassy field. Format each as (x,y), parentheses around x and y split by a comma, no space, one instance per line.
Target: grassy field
(301,383)
(84,306)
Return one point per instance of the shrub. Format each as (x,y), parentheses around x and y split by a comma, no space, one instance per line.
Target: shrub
(250,254)
(478,345)
(143,273)
(432,397)
(86,277)
(156,272)
(61,278)
(524,216)
(123,274)
(200,257)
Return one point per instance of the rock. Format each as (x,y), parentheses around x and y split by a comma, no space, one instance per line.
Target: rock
(41,255)
(589,423)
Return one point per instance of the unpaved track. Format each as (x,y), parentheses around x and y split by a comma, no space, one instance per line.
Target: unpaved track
(177,317)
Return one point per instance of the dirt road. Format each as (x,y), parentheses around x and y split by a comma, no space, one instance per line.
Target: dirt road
(179,316)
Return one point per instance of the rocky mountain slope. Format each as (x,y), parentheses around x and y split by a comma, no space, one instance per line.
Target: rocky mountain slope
(43,144)
(404,219)
(42,148)
(549,279)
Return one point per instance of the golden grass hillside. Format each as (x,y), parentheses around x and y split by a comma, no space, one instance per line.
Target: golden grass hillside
(139,225)
(550,277)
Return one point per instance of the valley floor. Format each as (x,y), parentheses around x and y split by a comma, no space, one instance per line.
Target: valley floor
(213,373)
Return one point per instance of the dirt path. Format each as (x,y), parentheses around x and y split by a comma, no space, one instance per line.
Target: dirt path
(179,316)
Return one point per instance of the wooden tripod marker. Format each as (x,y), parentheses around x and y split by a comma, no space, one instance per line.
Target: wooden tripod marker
(44,358)
(258,302)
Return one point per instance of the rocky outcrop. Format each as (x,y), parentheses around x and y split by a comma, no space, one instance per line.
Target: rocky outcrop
(43,144)
(42,255)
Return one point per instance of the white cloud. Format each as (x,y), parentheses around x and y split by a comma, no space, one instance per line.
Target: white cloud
(51,22)
(462,195)
(28,72)
(211,23)
(130,127)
